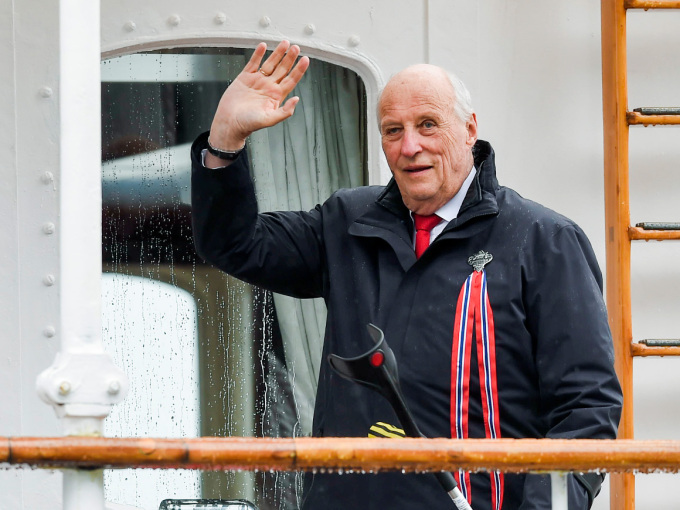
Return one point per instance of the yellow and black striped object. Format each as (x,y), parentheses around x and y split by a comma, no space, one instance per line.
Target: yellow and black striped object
(382,429)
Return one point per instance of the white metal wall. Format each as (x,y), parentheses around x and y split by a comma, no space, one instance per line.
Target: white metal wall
(29,183)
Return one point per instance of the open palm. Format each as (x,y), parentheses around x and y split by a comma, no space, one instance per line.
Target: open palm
(255,99)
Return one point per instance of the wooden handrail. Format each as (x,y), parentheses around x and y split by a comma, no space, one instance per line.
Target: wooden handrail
(652,4)
(638,119)
(637,234)
(333,454)
(642,350)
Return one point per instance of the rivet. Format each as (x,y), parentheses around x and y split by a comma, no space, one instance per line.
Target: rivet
(48,228)
(130,26)
(355,40)
(49,331)
(310,29)
(174,20)
(265,21)
(220,18)
(49,280)
(64,388)
(114,388)
(46,92)
(47,177)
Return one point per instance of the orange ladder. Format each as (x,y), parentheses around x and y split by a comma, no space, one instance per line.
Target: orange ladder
(619,232)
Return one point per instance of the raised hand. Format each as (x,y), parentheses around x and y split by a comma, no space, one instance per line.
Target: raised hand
(254,99)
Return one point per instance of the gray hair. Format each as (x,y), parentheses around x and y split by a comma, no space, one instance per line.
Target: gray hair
(463,102)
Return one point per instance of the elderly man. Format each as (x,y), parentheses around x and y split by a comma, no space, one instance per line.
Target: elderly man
(491,303)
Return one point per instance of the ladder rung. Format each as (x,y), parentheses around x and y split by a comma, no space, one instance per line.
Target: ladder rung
(652,4)
(636,117)
(661,342)
(656,347)
(639,233)
(658,225)
(658,110)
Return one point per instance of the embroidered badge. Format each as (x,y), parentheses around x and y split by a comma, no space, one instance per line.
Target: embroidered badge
(479,260)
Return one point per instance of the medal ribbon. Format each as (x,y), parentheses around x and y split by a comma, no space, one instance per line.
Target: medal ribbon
(474,315)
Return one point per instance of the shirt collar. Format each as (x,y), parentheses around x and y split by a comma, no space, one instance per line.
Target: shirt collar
(449,211)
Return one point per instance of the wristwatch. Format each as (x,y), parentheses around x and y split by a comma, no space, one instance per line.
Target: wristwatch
(222,154)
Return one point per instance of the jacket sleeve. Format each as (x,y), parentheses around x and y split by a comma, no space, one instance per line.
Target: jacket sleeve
(280,251)
(580,393)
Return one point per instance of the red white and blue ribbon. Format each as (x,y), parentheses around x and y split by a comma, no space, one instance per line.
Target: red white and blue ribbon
(474,317)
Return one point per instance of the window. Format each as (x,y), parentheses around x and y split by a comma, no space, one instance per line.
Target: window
(257,354)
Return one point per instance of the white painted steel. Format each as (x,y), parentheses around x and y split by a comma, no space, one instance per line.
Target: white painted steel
(29,310)
(559,492)
(82,383)
(80,203)
(83,490)
(80,162)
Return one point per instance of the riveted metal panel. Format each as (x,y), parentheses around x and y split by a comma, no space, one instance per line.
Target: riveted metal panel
(29,296)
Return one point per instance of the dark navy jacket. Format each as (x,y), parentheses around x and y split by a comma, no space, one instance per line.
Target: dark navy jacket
(553,344)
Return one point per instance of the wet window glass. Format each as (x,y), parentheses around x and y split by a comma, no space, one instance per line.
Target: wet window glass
(206,354)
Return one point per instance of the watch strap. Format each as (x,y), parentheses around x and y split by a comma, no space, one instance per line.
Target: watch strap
(224,154)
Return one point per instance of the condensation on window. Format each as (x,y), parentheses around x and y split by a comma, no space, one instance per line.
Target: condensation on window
(206,354)
(162,367)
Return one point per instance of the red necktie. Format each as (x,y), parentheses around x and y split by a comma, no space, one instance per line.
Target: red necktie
(424,224)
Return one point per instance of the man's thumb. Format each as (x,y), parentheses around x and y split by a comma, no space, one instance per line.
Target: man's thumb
(289,106)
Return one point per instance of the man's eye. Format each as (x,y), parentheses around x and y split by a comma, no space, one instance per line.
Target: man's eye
(391,130)
(428,124)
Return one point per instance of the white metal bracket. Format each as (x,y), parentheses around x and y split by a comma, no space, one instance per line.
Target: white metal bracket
(82,384)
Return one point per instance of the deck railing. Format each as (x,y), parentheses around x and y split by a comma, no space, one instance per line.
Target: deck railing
(334,454)
(556,456)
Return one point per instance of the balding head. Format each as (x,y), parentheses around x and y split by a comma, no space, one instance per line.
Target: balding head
(427,137)
(451,89)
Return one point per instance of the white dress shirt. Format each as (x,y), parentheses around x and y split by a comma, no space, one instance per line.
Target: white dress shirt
(449,211)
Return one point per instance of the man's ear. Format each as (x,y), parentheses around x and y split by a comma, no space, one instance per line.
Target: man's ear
(471,127)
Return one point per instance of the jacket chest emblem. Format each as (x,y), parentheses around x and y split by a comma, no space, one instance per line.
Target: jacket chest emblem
(479,260)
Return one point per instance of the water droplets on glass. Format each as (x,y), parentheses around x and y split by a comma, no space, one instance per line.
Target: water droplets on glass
(206,354)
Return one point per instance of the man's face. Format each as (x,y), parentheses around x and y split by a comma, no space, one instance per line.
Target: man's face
(427,147)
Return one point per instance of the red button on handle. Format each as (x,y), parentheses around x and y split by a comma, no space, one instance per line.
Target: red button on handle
(377,358)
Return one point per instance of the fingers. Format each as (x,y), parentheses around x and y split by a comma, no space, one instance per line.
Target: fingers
(270,65)
(280,65)
(254,63)
(286,63)
(295,75)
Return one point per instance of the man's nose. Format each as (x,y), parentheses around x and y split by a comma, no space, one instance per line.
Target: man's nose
(410,144)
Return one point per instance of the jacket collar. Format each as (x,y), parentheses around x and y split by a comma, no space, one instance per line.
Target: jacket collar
(483,187)
(480,200)
(485,180)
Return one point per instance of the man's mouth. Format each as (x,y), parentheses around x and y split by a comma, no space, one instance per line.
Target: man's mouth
(416,168)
